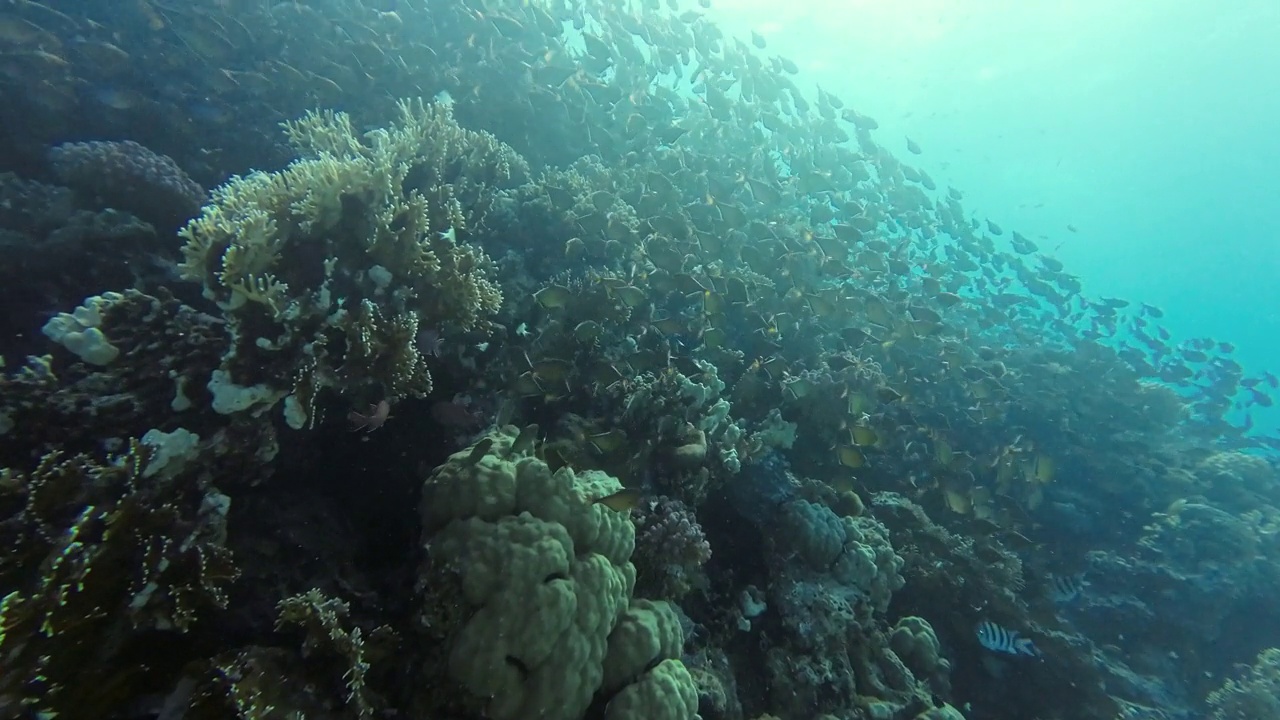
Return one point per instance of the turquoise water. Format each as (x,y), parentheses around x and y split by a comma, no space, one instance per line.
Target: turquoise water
(1151,127)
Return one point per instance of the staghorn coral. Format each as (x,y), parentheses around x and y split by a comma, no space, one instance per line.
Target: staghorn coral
(130,177)
(326,269)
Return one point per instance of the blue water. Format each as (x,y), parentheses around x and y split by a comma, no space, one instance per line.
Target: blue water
(1149,126)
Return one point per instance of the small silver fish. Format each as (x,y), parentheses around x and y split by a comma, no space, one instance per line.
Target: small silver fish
(998,639)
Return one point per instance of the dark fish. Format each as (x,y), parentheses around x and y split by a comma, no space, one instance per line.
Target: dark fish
(524,442)
(479,451)
(912,147)
(622,501)
(429,342)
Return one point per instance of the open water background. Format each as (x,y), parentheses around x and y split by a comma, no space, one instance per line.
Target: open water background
(1150,126)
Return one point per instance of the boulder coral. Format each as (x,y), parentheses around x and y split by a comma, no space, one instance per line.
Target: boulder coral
(527,591)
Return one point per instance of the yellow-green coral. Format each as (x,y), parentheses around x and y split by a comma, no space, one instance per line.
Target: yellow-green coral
(648,631)
(237,245)
(667,692)
(641,669)
(1256,694)
(914,641)
(324,620)
(546,571)
(103,557)
(326,268)
(544,576)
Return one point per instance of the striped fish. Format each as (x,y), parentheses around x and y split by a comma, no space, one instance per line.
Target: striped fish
(1066,588)
(998,639)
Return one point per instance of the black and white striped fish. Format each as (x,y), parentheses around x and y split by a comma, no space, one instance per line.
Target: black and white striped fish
(1066,588)
(998,639)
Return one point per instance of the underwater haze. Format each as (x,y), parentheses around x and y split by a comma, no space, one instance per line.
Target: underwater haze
(639,360)
(1148,126)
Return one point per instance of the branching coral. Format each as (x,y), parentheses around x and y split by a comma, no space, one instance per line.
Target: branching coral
(1254,695)
(326,268)
(670,548)
(324,620)
(100,553)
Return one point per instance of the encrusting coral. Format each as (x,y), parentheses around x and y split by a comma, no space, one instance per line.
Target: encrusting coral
(328,269)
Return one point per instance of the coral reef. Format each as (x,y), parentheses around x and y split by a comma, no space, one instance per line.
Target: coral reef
(670,548)
(106,555)
(831,578)
(1255,694)
(762,368)
(328,269)
(915,643)
(527,595)
(54,253)
(129,177)
(1239,481)
(165,356)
